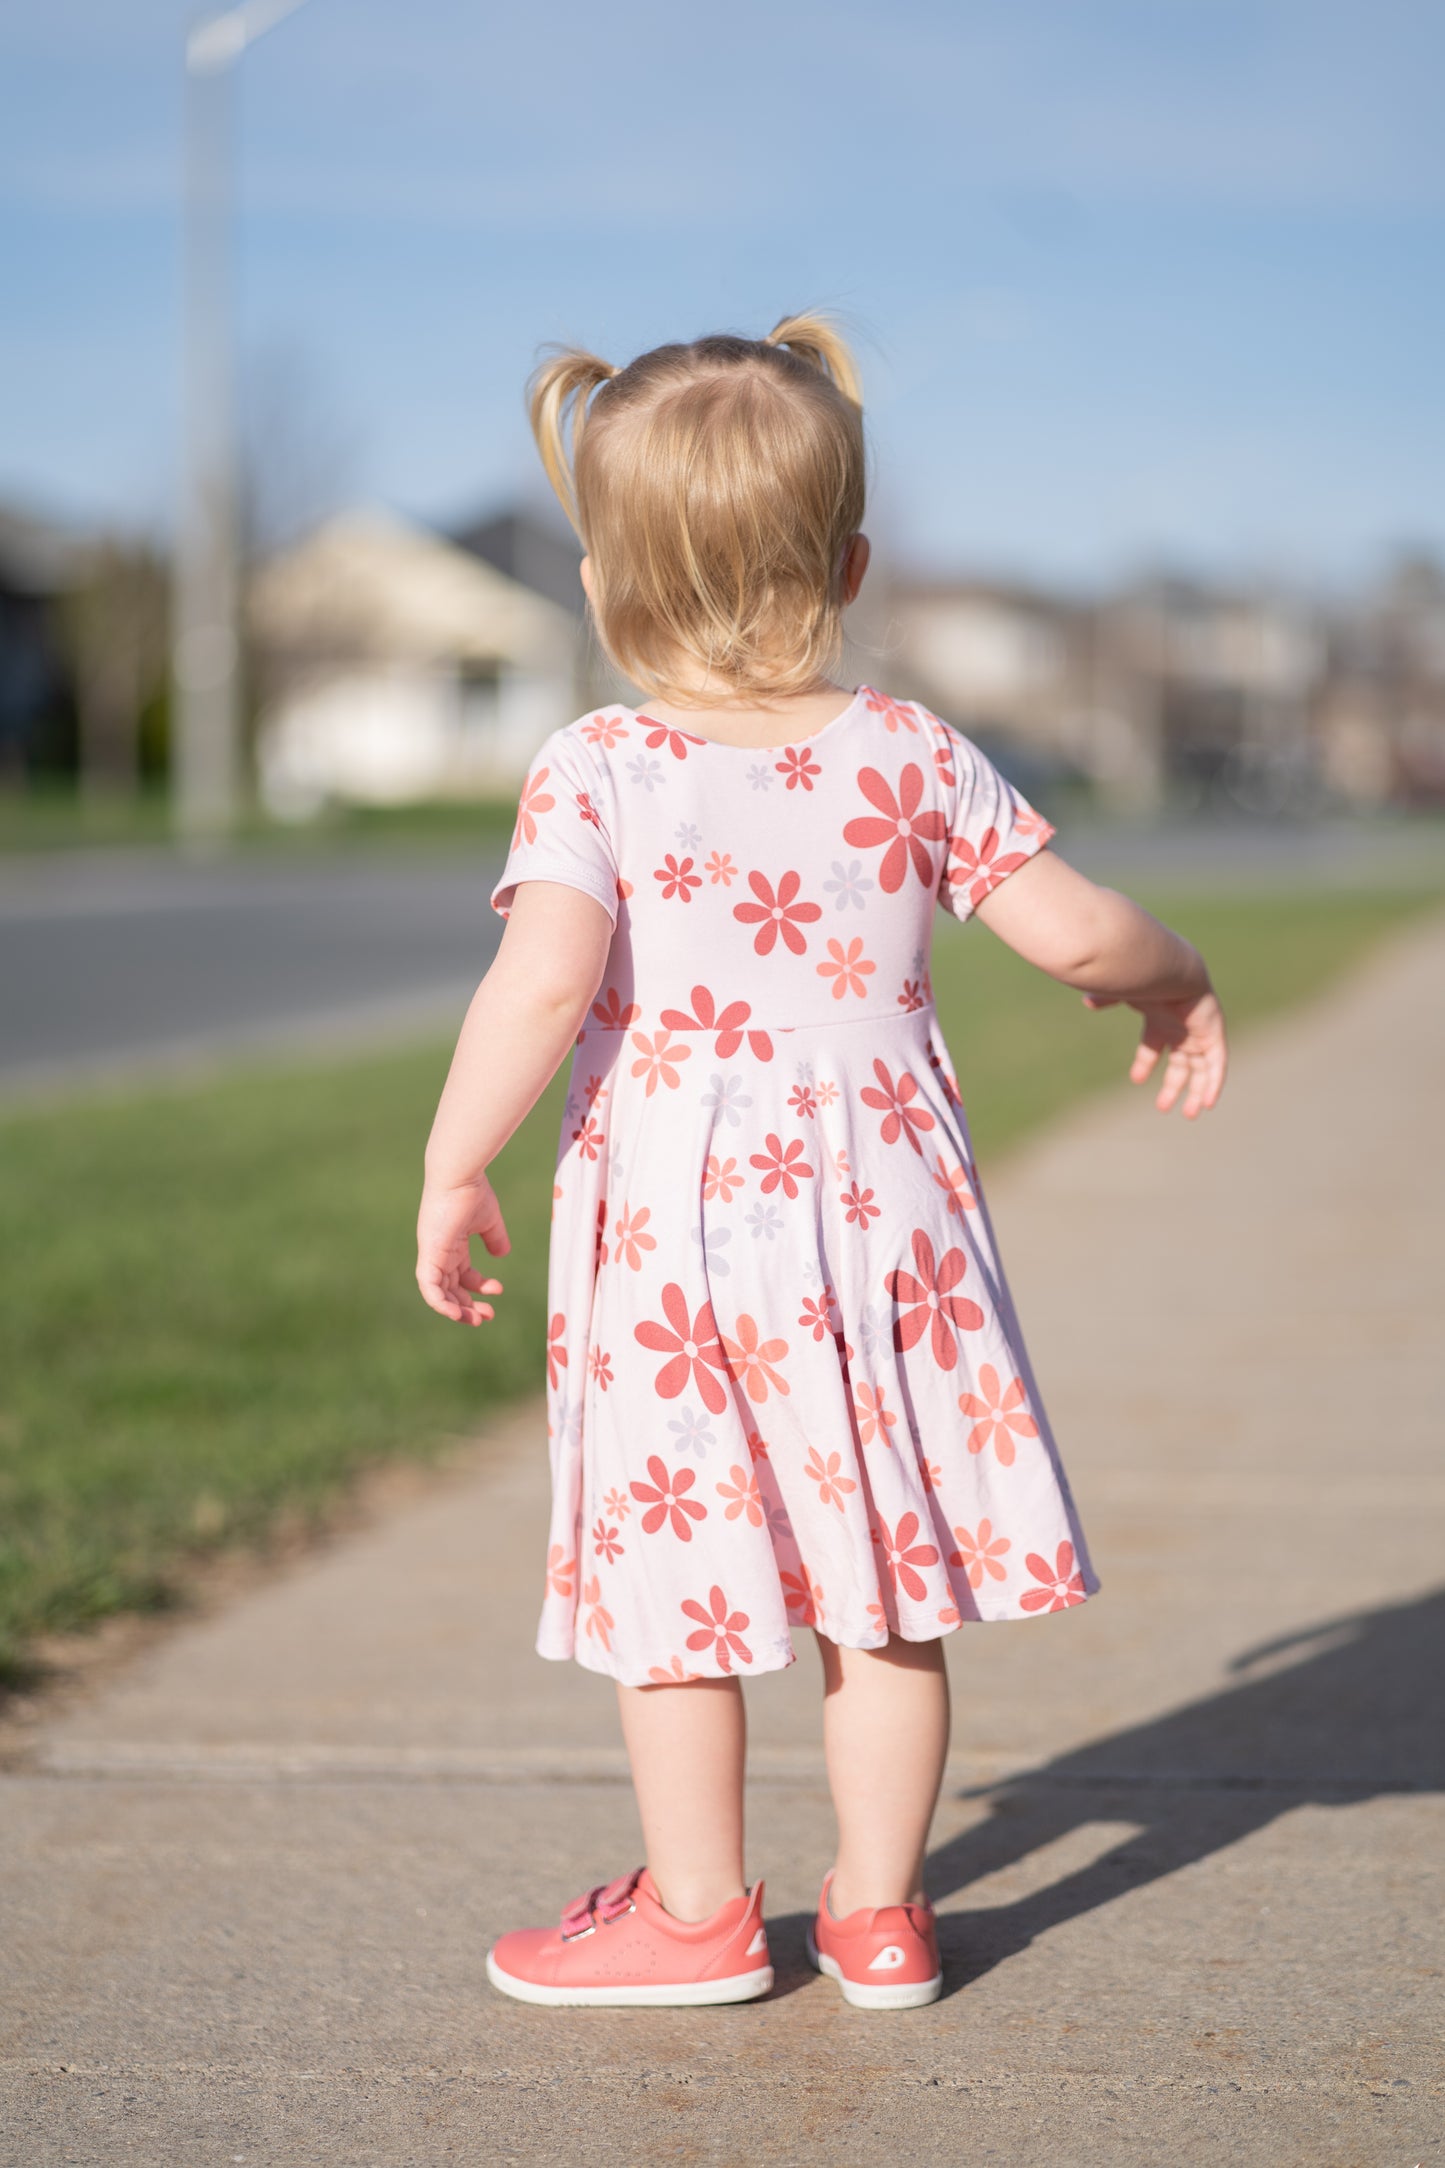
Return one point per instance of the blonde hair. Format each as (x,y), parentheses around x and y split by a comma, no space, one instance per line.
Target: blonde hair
(715,487)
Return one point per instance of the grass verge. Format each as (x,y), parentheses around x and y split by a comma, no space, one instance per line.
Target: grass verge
(207,1316)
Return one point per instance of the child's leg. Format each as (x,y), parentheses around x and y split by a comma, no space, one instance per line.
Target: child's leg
(885,1733)
(688,1746)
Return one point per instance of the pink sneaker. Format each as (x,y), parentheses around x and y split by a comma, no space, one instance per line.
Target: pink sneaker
(618,1945)
(886,1959)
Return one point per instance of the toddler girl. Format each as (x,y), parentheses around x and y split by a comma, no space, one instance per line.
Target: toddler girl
(787,1383)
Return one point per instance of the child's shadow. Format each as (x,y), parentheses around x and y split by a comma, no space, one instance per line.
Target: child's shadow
(1353,1710)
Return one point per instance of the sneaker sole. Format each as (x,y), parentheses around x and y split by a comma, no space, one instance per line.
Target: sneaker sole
(911,1995)
(742,1987)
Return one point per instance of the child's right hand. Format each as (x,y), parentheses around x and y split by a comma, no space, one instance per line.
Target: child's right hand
(1191,1031)
(449,1281)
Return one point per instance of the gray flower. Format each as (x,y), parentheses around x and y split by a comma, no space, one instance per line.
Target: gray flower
(875,1332)
(645,771)
(692,1434)
(727,1099)
(713,1243)
(689,835)
(760,777)
(764,1219)
(850,884)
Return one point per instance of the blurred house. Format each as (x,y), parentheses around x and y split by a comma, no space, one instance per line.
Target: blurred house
(1381,721)
(36,695)
(394,664)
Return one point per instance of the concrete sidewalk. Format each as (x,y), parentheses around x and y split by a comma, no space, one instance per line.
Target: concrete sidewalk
(1189,1859)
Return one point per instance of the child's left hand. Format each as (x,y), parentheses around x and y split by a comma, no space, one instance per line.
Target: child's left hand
(449,1281)
(1192,1032)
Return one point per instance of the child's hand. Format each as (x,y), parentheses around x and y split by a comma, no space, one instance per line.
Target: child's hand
(448,1280)
(1193,1033)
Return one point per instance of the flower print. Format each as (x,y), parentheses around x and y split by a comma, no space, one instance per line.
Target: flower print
(980,1552)
(674,1675)
(803,1597)
(612,1014)
(847,968)
(741,1490)
(753,1361)
(840,1163)
(676,741)
(943,761)
(879,1617)
(720,1629)
(896,714)
(776,913)
(624,888)
(1001,1415)
(617,1505)
(899,824)
(589,811)
(713,1241)
(632,1235)
(600,1365)
(729,1023)
(666,1499)
(559,1571)
(727,1099)
(980,869)
(556,1350)
(817,1317)
(859,1206)
(798,765)
(827,1092)
(593,1090)
(605,1543)
(599,1623)
(875,1330)
(720,867)
(872,1418)
(1062,1583)
(903,1554)
(604,730)
(957,1184)
(645,771)
(895,1103)
(534,800)
(692,1346)
(764,1219)
(722,1179)
(931,1473)
(803,1101)
(781,1166)
(688,834)
(760,777)
(833,1485)
(850,884)
(677,878)
(658,1057)
(589,1138)
(912,996)
(780,1528)
(691,1433)
(945,1077)
(1029,823)
(926,1302)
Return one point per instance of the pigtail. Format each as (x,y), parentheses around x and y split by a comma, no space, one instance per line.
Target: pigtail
(557,394)
(817,341)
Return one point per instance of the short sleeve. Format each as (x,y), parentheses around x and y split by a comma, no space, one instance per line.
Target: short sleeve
(564,827)
(993,830)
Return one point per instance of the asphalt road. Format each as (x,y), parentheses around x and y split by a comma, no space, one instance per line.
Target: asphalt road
(137,963)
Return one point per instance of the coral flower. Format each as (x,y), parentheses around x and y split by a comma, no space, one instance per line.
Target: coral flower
(903,1554)
(692,1345)
(1062,1583)
(720,1629)
(926,1302)
(898,824)
(666,1500)
(1001,1415)
(775,913)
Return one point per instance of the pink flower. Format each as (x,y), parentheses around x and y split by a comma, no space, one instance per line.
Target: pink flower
(666,1500)
(588,810)
(556,1350)
(601,1367)
(719,1629)
(605,1543)
(534,800)
(1062,1583)
(980,870)
(860,1206)
(927,1304)
(913,996)
(803,1102)
(799,766)
(674,1675)
(752,1361)
(833,1485)
(599,1623)
(980,1552)
(896,714)
(693,1346)
(871,1416)
(612,1015)
(803,1597)
(895,1103)
(720,867)
(847,968)
(1001,1416)
(604,730)
(730,1024)
(658,1057)
(560,1569)
(779,1166)
(741,1492)
(677,877)
(777,913)
(617,1505)
(722,1179)
(957,1184)
(589,1138)
(676,741)
(898,824)
(632,1235)
(903,1552)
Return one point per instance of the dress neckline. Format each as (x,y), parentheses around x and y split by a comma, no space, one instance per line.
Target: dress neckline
(722,745)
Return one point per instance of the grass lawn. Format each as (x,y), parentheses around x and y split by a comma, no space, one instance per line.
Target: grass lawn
(207,1313)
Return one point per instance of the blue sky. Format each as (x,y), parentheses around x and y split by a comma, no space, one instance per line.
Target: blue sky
(1129,278)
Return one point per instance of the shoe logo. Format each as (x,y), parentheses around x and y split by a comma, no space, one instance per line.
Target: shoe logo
(887,1960)
(758,1944)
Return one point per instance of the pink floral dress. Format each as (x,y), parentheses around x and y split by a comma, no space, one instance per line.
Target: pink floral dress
(787,1385)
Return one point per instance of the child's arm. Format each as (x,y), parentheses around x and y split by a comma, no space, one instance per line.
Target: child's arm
(523,1018)
(1111,948)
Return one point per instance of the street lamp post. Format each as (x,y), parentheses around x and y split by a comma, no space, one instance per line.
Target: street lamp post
(205,655)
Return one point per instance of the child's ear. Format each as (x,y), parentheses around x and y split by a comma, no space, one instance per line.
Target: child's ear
(585,568)
(855,564)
